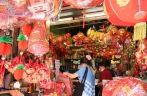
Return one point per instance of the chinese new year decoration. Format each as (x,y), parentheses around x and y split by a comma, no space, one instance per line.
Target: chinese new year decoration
(38,44)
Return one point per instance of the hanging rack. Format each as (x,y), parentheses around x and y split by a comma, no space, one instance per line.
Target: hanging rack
(79,25)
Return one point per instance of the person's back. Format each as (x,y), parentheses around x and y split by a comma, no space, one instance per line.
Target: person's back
(89,89)
(104,75)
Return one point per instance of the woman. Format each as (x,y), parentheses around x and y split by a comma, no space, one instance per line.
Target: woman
(89,88)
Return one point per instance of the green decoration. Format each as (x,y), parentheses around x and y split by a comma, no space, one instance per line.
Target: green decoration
(20,67)
(6,39)
(21,37)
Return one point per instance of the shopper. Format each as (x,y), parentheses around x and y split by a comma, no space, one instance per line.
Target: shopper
(108,63)
(89,88)
(104,75)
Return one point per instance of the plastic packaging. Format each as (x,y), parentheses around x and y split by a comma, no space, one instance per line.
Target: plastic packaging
(127,86)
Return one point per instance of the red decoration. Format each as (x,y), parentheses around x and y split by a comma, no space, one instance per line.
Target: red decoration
(125,87)
(5,48)
(130,10)
(113,17)
(82,4)
(18,73)
(68,35)
(27,29)
(38,44)
(68,43)
(22,44)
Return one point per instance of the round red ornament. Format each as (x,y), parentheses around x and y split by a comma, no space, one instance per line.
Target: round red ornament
(113,17)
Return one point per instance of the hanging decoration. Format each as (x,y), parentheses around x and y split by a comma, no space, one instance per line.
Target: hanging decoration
(38,44)
(22,42)
(141,55)
(113,17)
(132,12)
(27,29)
(18,72)
(2,71)
(125,86)
(83,4)
(5,43)
(18,60)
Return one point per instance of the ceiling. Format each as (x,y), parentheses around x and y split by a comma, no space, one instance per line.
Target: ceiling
(72,15)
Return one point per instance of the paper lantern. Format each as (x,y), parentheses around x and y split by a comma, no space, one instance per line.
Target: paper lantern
(18,72)
(128,86)
(22,42)
(5,43)
(132,12)
(113,17)
(38,45)
(83,4)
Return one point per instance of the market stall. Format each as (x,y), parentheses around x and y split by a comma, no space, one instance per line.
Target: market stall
(38,42)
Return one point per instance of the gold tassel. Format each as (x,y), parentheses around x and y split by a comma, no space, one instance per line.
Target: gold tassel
(139,31)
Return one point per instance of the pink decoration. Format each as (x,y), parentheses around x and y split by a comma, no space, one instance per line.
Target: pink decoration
(88,57)
(38,45)
(125,87)
(82,4)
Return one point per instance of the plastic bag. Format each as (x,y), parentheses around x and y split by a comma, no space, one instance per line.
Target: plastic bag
(68,83)
(56,89)
(128,86)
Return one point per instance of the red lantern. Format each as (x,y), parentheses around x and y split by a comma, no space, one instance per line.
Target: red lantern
(83,4)
(22,42)
(5,43)
(18,72)
(113,17)
(130,11)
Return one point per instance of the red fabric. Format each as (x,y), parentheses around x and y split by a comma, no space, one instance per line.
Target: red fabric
(105,75)
(68,83)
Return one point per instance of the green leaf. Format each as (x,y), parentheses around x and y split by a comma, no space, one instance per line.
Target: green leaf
(21,37)
(6,39)
(20,67)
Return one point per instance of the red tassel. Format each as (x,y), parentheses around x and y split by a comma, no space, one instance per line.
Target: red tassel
(83,12)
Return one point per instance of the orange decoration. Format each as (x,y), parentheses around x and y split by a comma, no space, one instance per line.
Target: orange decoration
(27,29)
(18,73)
(5,48)
(22,44)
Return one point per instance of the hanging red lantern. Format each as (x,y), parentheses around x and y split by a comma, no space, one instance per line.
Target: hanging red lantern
(130,11)
(22,42)
(38,45)
(112,16)
(5,43)
(18,72)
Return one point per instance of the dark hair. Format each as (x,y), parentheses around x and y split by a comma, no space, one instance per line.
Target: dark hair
(108,62)
(86,61)
(103,63)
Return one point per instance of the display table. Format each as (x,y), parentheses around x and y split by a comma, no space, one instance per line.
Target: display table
(12,92)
